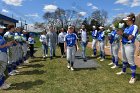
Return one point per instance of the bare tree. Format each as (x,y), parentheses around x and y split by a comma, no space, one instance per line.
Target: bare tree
(61,17)
(100,16)
(41,26)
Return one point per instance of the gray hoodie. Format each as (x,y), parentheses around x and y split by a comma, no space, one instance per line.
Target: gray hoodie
(52,37)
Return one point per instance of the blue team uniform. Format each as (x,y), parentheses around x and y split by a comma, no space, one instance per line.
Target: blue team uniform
(94,41)
(114,37)
(94,34)
(114,41)
(70,39)
(2,42)
(3,60)
(128,48)
(130,31)
(101,38)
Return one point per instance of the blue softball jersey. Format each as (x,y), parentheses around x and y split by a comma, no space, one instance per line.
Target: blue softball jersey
(70,39)
(113,36)
(131,30)
(2,42)
(101,35)
(94,34)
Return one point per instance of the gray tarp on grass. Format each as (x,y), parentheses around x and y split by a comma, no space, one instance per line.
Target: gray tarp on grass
(79,63)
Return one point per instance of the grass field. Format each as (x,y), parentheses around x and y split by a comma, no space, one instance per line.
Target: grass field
(45,76)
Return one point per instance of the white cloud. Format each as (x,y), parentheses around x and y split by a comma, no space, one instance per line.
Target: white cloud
(89,4)
(82,13)
(118,9)
(130,3)
(123,2)
(13,2)
(94,8)
(32,15)
(5,11)
(135,3)
(50,8)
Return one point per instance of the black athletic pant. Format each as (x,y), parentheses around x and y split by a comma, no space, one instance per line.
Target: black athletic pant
(62,48)
(31,50)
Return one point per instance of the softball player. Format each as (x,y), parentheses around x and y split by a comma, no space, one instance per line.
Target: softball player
(94,41)
(25,46)
(128,46)
(70,41)
(3,59)
(43,40)
(9,36)
(115,45)
(18,38)
(101,39)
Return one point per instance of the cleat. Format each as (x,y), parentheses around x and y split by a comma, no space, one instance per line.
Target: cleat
(12,74)
(102,59)
(72,69)
(99,58)
(120,73)
(46,55)
(132,80)
(113,67)
(26,62)
(111,63)
(68,66)
(16,71)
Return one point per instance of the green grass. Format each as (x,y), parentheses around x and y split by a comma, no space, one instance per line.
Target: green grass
(45,76)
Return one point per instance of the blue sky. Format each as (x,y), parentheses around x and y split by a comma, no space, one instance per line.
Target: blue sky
(33,10)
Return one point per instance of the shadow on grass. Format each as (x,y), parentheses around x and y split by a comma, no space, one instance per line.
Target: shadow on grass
(36,72)
(33,66)
(90,69)
(37,60)
(25,85)
(57,57)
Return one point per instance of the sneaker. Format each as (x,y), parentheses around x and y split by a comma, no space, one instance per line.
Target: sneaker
(68,66)
(102,59)
(111,63)
(132,80)
(120,73)
(62,56)
(5,86)
(72,69)
(113,67)
(99,58)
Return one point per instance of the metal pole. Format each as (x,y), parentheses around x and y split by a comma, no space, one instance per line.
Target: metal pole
(21,22)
